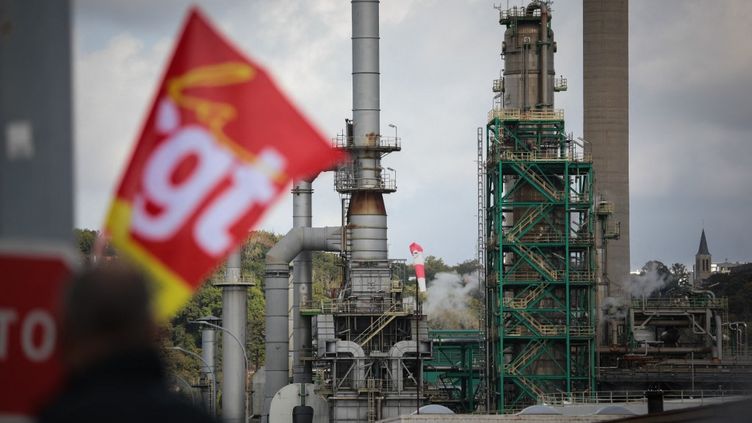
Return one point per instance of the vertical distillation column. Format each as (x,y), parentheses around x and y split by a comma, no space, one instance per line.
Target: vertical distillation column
(529,225)
(366,214)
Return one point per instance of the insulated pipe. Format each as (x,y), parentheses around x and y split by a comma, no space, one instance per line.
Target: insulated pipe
(543,93)
(365,74)
(208,347)
(276,291)
(718,336)
(302,285)
(234,320)
(359,371)
(395,357)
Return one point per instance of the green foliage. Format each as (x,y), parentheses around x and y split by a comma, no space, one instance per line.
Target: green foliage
(327,274)
(467,267)
(434,265)
(85,240)
(737,287)
(256,324)
(253,255)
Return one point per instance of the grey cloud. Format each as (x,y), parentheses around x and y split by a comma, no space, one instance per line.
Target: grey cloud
(689,107)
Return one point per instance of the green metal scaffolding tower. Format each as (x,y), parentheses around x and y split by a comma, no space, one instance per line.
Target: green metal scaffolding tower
(540,259)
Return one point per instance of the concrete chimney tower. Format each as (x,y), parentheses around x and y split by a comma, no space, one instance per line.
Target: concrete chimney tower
(606,113)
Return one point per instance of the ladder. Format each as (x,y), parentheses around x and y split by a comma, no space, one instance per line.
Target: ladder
(482,394)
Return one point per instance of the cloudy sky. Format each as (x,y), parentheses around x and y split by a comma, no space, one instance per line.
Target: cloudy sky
(690,107)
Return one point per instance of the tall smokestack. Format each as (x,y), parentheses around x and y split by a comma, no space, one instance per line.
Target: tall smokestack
(606,113)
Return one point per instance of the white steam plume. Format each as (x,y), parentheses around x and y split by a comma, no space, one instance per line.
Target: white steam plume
(641,286)
(448,302)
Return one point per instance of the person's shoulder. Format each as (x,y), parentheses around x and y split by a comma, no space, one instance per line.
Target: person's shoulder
(145,405)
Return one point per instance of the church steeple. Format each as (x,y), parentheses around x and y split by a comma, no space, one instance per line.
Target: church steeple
(702,260)
(703,250)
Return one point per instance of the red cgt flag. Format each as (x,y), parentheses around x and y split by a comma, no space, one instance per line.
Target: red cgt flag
(220,145)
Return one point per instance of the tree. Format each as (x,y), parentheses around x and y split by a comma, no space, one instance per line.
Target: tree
(85,240)
(737,287)
(681,275)
(434,265)
(467,267)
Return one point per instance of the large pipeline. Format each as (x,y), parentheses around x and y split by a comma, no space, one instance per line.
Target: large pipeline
(302,285)
(276,291)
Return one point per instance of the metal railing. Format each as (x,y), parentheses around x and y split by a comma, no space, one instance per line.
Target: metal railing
(517,12)
(571,155)
(498,85)
(560,84)
(376,142)
(329,306)
(679,303)
(611,397)
(346,180)
(517,114)
(574,276)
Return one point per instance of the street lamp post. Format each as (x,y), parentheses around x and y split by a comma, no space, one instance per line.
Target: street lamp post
(213,392)
(207,322)
(396,138)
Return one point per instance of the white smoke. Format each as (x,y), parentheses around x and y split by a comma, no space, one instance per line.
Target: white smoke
(641,286)
(614,308)
(449,299)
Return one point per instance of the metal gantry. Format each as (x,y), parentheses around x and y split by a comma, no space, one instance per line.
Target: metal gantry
(540,259)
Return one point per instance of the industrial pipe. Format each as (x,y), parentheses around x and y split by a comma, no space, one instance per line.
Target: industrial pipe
(208,340)
(366,89)
(718,336)
(234,320)
(359,369)
(543,90)
(395,355)
(302,285)
(276,291)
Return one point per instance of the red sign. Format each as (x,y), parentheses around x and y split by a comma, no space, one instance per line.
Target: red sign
(32,279)
(219,146)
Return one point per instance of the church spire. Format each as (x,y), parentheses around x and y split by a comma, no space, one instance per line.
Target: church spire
(703,250)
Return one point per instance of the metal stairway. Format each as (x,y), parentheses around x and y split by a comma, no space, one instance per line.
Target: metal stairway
(523,358)
(526,221)
(520,303)
(541,328)
(538,262)
(538,181)
(378,325)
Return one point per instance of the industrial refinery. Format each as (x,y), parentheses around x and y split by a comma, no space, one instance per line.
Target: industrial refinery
(556,324)
(548,323)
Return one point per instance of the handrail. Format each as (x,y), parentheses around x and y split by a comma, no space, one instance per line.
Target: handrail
(517,114)
(680,303)
(611,397)
(346,179)
(572,155)
(378,142)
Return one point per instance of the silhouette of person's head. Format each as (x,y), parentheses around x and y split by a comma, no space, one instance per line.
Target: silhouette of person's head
(106,310)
